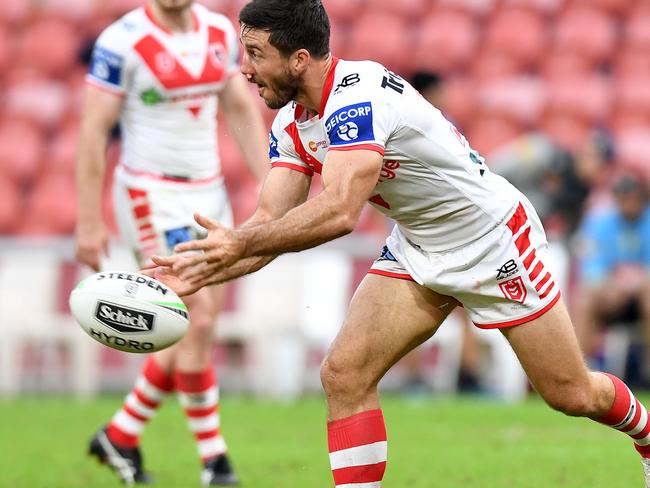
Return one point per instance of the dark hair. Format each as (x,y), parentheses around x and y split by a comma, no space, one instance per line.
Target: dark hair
(292,24)
(422,80)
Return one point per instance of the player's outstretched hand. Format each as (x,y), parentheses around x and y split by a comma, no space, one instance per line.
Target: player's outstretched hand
(220,249)
(165,274)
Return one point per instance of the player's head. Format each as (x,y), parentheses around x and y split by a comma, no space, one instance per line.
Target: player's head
(630,193)
(280,38)
(173,5)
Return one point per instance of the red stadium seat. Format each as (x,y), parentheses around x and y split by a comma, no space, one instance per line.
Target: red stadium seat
(51,207)
(589,97)
(488,132)
(566,130)
(519,33)
(493,65)
(10,206)
(343,10)
(446,42)
(521,98)
(410,9)
(37,46)
(632,62)
(632,101)
(632,149)
(43,101)
(6,48)
(587,32)
(21,150)
(383,38)
(559,65)
(617,7)
(475,7)
(459,100)
(636,32)
(545,6)
(17,12)
(75,10)
(62,150)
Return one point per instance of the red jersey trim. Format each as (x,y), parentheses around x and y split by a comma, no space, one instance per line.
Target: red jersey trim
(108,89)
(359,147)
(327,87)
(293,166)
(522,320)
(390,274)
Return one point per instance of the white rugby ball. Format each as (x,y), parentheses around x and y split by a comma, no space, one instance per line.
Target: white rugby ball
(129,311)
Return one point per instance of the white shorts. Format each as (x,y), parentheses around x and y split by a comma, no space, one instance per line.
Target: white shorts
(154,213)
(501,279)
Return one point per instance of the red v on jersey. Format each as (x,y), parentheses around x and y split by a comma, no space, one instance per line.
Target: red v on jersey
(168,70)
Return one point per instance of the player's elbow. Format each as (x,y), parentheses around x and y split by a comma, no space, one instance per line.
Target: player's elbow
(346,221)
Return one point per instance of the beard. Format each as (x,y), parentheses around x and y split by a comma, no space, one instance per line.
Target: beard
(283,90)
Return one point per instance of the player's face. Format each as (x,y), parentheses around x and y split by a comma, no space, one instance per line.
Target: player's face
(265,66)
(173,5)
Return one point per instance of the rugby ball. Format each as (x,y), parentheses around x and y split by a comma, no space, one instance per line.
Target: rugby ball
(129,311)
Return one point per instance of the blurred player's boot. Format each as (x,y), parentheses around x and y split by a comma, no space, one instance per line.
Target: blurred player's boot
(646,471)
(127,463)
(218,472)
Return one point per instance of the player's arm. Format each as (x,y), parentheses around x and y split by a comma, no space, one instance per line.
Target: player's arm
(348,178)
(246,124)
(283,190)
(101,110)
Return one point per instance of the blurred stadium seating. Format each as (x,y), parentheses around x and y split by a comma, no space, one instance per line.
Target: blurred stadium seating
(509,67)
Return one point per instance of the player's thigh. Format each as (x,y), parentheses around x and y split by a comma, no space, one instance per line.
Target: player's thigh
(549,353)
(387,318)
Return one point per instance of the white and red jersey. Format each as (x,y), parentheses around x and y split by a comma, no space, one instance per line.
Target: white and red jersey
(170,82)
(433,184)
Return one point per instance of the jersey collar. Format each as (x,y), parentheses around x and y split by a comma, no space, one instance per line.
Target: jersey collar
(327,88)
(152,18)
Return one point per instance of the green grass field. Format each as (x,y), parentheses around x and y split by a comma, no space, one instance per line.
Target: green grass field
(447,443)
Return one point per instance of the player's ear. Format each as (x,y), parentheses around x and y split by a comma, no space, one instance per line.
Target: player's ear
(299,61)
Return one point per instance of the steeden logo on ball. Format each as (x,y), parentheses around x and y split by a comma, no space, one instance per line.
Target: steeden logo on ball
(122,319)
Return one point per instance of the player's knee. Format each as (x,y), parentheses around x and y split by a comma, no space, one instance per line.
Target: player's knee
(572,400)
(339,379)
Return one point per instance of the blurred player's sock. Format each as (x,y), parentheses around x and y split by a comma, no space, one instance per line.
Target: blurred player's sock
(358,449)
(199,397)
(140,405)
(629,416)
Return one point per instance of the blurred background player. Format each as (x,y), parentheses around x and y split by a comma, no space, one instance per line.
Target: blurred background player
(615,266)
(161,70)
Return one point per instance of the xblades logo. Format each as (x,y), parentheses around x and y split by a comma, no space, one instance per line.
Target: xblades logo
(347,81)
(122,319)
(508,269)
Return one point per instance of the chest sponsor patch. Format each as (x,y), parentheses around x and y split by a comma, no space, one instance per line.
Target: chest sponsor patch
(107,66)
(350,124)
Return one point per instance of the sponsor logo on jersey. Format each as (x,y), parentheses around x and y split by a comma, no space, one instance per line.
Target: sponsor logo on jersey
(386,255)
(273,146)
(123,319)
(508,269)
(151,97)
(313,145)
(347,81)
(514,289)
(351,124)
(388,170)
(178,235)
(106,66)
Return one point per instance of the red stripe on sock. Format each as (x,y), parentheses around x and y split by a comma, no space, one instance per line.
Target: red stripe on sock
(643,450)
(635,419)
(134,414)
(643,433)
(144,399)
(621,405)
(195,382)
(207,435)
(369,473)
(201,412)
(157,376)
(357,430)
(121,438)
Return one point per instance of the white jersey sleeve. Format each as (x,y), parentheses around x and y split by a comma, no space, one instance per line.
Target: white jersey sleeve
(112,60)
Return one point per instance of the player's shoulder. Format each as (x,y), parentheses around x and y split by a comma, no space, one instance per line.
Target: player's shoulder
(284,117)
(126,30)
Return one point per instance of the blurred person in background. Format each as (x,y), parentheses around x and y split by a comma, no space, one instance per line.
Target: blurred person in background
(614,249)
(162,70)
(463,235)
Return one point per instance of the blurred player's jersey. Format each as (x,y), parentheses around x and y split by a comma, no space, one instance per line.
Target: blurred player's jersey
(436,187)
(169,81)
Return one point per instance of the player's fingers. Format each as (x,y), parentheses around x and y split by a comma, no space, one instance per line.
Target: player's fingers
(198,245)
(205,222)
(164,260)
(187,261)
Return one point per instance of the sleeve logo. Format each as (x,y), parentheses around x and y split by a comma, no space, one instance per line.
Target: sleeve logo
(106,66)
(273,146)
(351,124)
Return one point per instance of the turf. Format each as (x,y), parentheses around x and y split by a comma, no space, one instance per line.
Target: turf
(467,442)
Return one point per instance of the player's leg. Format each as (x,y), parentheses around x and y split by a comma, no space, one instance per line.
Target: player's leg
(548,350)
(387,318)
(196,383)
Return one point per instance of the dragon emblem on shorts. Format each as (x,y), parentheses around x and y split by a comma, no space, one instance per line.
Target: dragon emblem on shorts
(514,289)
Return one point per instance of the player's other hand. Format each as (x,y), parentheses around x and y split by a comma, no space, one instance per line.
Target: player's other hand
(220,249)
(91,243)
(166,275)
